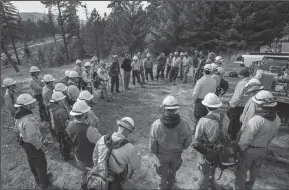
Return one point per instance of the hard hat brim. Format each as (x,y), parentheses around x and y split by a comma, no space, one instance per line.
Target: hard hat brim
(34,71)
(18,105)
(171,107)
(78,113)
(58,99)
(212,106)
(125,125)
(9,84)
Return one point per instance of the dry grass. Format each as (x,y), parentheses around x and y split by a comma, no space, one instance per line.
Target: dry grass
(143,106)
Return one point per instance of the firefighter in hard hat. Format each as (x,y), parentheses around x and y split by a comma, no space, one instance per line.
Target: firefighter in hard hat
(86,96)
(87,78)
(36,86)
(30,139)
(187,63)
(65,79)
(114,72)
(142,74)
(208,130)
(203,86)
(219,60)
(72,89)
(224,85)
(201,64)
(181,66)
(124,159)
(257,135)
(148,66)
(126,66)
(176,62)
(136,65)
(94,69)
(237,103)
(78,67)
(211,58)
(169,137)
(161,66)
(83,137)
(60,118)
(104,79)
(60,87)
(168,64)
(195,64)
(47,94)
(10,95)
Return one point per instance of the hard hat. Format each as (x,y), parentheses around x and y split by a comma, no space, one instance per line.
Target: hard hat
(34,69)
(171,54)
(214,66)
(212,100)
(135,58)
(73,74)
(127,123)
(57,96)
(85,95)
(77,61)
(170,102)
(60,87)
(94,58)
(208,67)
(67,73)
(148,54)
(8,82)
(264,98)
(48,78)
(219,59)
(176,53)
(79,108)
(138,53)
(181,53)
(87,64)
(221,71)
(23,100)
(186,53)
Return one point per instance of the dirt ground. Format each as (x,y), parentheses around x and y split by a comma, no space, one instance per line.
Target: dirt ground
(143,106)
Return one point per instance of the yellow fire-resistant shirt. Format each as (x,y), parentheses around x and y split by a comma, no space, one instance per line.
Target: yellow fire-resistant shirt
(239,98)
(126,155)
(47,95)
(203,86)
(248,112)
(35,85)
(210,128)
(259,132)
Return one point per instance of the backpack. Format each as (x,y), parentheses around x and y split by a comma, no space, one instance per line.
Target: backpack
(100,175)
(220,155)
(222,88)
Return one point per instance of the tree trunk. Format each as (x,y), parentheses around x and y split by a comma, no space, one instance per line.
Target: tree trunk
(15,51)
(53,34)
(9,57)
(62,31)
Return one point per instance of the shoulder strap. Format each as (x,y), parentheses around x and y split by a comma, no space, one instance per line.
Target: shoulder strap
(116,145)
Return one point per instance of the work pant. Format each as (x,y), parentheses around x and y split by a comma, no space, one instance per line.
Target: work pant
(136,74)
(103,92)
(168,165)
(206,174)
(200,110)
(186,70)
(114,82)
(115,184)
(37,163)
(160,71)
(149,71)
(64,146)
(142,76)
(52,131)
(194,73)
(250,160)
(181,71)
(42,111)
(82,166)
(168,71)
(235,124)
(173,73)
(126,79)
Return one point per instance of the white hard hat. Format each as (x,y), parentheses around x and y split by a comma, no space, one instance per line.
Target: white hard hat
(85,95)
(48,78)
(219,59)
(135,58)
(182,53)
(34,69)
(102,62)
(79,108)
(127,123)
(8,82)
(214,66)
(67,73)
(265,99)
(87,64)
(212,100)
(221,70)
(148,54)
(60,87)
(77,61)
(73,74)
(23,100)
(57,96)
(186,53)
(170,102)
(176,53)
(94,58)
(208,67)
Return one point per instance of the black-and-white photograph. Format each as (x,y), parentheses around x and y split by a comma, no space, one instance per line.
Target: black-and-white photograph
(143,95)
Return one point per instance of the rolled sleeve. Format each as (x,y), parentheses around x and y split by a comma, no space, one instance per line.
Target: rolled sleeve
(92,135)
(134,159)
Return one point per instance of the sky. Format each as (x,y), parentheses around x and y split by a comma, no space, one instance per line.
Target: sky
(36,6)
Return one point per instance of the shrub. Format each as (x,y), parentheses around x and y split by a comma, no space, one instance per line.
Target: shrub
(59,57)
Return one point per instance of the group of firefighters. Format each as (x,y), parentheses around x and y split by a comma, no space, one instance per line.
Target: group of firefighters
(251,121)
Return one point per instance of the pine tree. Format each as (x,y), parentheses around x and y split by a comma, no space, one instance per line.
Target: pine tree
(51,26)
